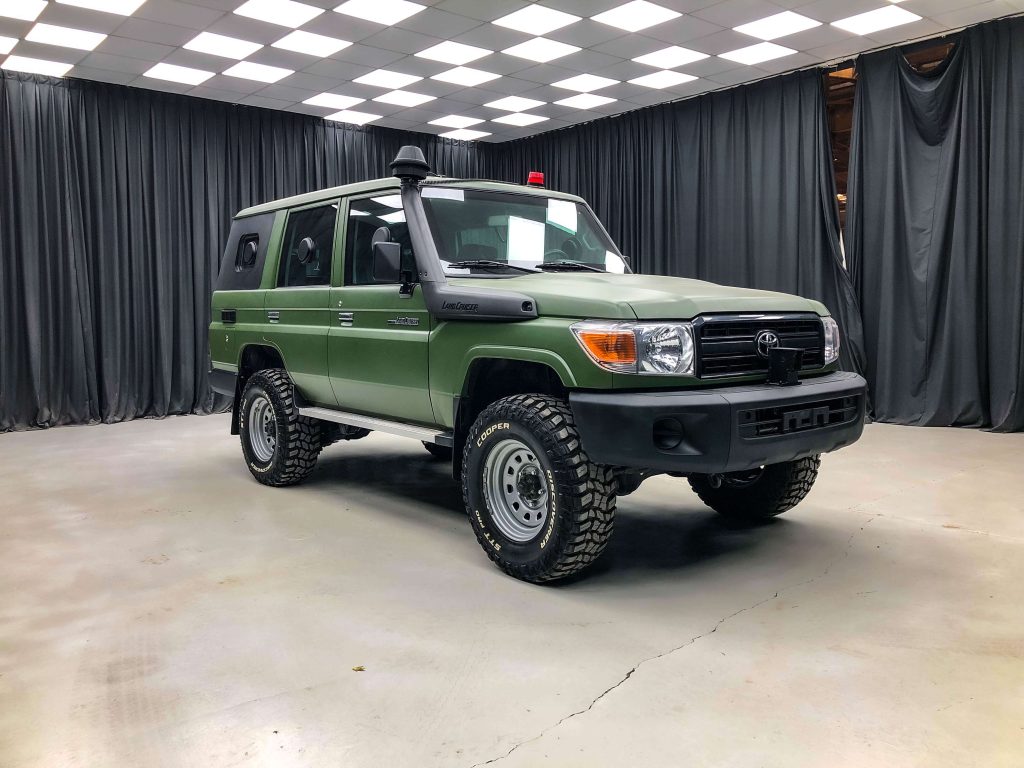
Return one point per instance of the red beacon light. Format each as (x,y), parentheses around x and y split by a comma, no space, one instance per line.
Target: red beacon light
(535,179)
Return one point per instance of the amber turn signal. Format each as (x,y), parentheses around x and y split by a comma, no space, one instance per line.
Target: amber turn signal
(610,346)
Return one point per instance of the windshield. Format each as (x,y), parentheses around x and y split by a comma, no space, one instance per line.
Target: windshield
(510,233)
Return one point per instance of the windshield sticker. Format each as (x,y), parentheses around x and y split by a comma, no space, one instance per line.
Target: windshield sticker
(562,214)
(445,193)
(525,238)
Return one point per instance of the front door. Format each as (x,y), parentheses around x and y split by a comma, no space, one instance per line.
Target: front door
(377,344)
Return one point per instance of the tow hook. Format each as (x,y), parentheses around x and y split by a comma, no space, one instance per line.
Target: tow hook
(715,481)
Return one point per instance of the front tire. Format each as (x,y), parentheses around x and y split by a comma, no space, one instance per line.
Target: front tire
(756,495)
(279,445)
(539,507)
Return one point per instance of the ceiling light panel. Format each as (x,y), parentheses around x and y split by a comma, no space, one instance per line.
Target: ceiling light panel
(385,78)
(25,10)
(537,20)
(456,121)
(874,21)
(285,13)
(404,98)
(355,118)
(120,7)
(320,46)
(666,78)
(465,76)
(585,83)
(250,70)
(7,43)
(333,101)
(520,119)
(220,45)
(541,50)
(385,12)
(779,25)
(64,37)
(514,104)
(453,53)
(584,101)
(673,56)
(636,15)
(177,74)
(465,135)
(36,66)
(755,54)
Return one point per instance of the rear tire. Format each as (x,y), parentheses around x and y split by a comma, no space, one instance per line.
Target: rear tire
(755,496)
(279,445)
(539,507)
(439,452)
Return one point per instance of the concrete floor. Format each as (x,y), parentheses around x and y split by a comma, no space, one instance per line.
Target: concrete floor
(160,608)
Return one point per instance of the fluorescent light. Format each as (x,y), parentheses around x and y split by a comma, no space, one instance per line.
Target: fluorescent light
(385,12)
(456,121)
(404,98)
(779,25)
(7,43)
(514,104)
(585,83)
(120,7)
(453,53)
(65,37)
(177,74)
(333,101)
(250,70)
(464,134)
(541,50)
(585,101)
(755,54)
(36,66)
(389,201)
(666,78)
(520,119)
(465,76)
(636,15)
(670,57)
(537,20)
(355,118)
(25,10)
(354,212)
(396,217)
(320,46)
(219,45)
(385,78)
(286,13)
(874,21)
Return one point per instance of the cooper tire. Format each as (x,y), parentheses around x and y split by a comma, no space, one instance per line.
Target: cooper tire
(282,448)
(439,452)
(777,488)
(575,511)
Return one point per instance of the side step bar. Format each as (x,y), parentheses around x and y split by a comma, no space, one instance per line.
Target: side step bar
(425,434)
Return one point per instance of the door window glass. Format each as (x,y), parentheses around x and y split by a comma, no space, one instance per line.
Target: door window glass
(365,216)
(307,247)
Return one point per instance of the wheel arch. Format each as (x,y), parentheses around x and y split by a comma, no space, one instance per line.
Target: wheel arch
(252,358)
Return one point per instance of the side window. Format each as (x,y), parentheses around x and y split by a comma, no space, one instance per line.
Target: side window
(248,249)
(302,265)
(365,216)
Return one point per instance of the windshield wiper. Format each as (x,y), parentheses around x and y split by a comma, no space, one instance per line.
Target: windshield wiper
(569,265)
(488,263)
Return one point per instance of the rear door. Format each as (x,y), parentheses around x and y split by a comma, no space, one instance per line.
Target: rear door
(298,306)
(377,345)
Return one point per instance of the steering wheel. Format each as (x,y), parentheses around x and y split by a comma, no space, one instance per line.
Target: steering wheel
(555,254)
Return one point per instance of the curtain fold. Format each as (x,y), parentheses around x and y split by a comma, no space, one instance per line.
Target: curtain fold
(115,204)
(735,187)
(935,230)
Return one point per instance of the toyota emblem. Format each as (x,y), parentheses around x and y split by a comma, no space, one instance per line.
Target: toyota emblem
(763,341)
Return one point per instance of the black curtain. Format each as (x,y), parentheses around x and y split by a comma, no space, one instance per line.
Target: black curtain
(935,231)
(735,187)
(114,207)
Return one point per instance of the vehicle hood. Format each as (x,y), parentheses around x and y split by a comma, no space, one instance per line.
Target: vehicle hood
(645,297)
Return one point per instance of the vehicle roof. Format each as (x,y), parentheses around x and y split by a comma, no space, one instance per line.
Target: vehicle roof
(392,183)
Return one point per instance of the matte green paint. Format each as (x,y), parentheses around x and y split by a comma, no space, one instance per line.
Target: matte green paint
(413,372)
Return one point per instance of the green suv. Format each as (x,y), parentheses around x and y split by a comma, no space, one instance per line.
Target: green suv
(500,325)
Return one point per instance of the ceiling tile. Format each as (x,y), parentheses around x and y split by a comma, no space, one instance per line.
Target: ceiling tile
(983,12)
(630,46)
(368,56)
(135,49)
(288,93)
(342,26)
(120,76)
(401,40)
(587,60)
(99,60)
(438,23)
(238,85)
(732,13)
(155,32)
(720,42)
(77,18)
(492,37)
(244,28)
(49,52)
(585,33)
(680,31)
(255,100)
(179,14)
(827,11)
(481,11)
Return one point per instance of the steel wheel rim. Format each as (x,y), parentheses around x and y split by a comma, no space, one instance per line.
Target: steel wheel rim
(262,428)
(515,490)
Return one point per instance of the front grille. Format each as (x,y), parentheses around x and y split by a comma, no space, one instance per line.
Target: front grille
(726,343)
(786,419)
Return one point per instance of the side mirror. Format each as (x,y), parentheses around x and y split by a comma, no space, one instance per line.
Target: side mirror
(387,262)
(307,250)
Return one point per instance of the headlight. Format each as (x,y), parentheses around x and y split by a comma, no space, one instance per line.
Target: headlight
(664,349)
(831,339)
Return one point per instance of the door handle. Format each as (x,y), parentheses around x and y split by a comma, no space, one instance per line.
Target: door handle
(273,316)
(345,319)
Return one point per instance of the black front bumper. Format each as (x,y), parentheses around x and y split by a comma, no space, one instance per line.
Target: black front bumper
(720,430)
